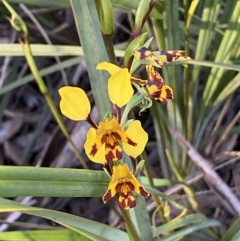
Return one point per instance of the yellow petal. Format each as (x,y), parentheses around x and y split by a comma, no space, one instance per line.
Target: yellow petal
(136,133)
(119,87)
(121,172)
(74,103)
(93,142)
(111,68)
(138,188)
(109,125)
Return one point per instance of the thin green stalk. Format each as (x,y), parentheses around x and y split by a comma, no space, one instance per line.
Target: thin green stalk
(50,102)
(136,100)
(109,47)
(190,193)
(130,227)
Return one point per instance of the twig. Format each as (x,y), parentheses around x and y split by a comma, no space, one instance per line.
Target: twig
(211,177)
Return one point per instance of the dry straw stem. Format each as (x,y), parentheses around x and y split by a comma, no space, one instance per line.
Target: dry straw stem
(211,177)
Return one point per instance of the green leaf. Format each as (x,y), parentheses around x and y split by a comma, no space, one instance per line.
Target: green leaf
(140,218)
(230,235)
(157,182)
(178,223)
(141,12)
(51,182)
(181,222)
(43,72)
(215,64)
(43,3)
(191,229)
(133,4)
(91,229)
(88,26)
(43,235)
(228,42)
(230,87)
(46,50)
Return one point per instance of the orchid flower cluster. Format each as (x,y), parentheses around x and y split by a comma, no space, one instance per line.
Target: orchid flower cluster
(107,142)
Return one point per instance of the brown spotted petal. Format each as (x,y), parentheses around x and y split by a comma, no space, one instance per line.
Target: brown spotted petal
(139,81)
(154,78)
(172,56)
(148,57)
(161,95)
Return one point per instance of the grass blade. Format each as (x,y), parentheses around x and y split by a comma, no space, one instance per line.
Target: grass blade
(85,12)
(82,225)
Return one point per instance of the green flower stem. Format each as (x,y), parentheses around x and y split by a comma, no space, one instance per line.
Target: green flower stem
(129,225)
(107,38)
(190,193)
(50,102)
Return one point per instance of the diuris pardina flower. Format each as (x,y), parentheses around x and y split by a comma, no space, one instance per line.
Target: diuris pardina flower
(123,183)
(119,84)
(156,88)
(104,142)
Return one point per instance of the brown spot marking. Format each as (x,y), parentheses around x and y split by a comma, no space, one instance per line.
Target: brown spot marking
(130,185)
(131,202)
(112,147)
(130,142)
(122,203)
(143,192)
(144,52)
(118,187)
(169,94)
(109,156)
(107,196)
(169,56)
(119,154)
(155,95)
(94,150)
(106,139)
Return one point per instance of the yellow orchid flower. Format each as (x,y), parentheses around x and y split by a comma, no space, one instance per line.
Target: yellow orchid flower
(156,88)
(123,183)
(104,142)
(119,84)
